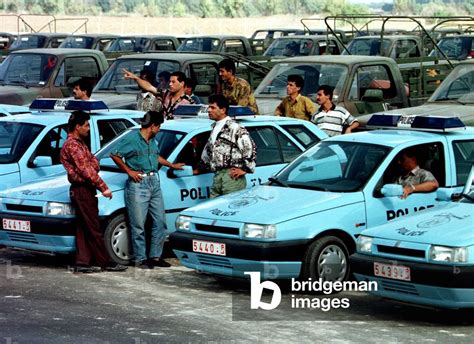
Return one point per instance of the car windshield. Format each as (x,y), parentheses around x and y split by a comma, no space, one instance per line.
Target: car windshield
(28,42)
(113,79)
(314,74)
(458,86)
(15,139)
(459,48)
(367,47)
(167,141)
(31,69)
(199,44)
(334,166)
(136,44)
(77,42)
(287,47)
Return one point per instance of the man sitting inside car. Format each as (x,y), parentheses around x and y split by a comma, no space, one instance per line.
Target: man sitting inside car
(414,178)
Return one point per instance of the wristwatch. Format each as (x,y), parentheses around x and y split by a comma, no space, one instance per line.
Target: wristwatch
(412,187)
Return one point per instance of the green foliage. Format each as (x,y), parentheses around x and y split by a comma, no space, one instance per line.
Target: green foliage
(229,8)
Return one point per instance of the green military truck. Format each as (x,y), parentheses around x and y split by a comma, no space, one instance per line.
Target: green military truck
(48,73)
(362,84)
(454,97)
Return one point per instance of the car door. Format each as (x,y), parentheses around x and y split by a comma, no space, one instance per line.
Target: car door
(49,147)
(380,209)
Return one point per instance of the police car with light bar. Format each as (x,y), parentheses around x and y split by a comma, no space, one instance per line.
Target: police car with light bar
(304,221)
(30,143)
(427,258)
(38,216)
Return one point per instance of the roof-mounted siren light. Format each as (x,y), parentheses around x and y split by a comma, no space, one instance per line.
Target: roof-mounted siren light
(421,123)
(51,104)
(200,110)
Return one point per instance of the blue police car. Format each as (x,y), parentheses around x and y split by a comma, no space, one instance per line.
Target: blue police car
(304,222)
(30,143)
(427,258)
(39,215)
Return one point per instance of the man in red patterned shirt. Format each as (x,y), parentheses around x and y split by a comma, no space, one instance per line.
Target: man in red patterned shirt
(82,170)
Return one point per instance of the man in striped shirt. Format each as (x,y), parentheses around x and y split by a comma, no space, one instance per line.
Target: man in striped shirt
(333,120)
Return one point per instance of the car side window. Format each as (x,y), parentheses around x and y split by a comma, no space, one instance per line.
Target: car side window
(51,144)
(109,129)
(430,157)
(191,153)
(464,159)
(272,146)
(75,68)
(302,134)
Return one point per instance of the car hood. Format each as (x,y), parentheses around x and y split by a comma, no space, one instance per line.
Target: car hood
(56,188)
(117,100)
(270,204)
(18,95)
(447,225)
(464,112)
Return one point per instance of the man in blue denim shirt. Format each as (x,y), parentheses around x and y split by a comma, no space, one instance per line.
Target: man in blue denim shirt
(143,191)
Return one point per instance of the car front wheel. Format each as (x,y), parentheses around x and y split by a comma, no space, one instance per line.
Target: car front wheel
(327,258)
(117,240)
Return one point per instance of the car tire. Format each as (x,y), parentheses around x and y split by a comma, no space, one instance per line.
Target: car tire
(326,258)
(117,240)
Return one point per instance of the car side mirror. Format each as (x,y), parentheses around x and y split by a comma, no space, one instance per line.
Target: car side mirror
(443,194)
(392,190)
(43,161)
(187,171)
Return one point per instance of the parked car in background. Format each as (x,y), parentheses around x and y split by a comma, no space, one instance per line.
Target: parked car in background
(261,39)
(455,47)
(28,74)
(217,44)
(119,93)
(37,40)
(88,41)
(290,46)
(139,44)
(396,47)
(43,208)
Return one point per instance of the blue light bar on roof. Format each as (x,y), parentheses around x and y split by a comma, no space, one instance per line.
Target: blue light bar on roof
(51,104)
(201,111)
(423,123)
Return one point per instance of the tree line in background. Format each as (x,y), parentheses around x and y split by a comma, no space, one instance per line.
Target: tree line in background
(233,8)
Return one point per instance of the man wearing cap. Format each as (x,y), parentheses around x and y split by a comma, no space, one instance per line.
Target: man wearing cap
(143,194)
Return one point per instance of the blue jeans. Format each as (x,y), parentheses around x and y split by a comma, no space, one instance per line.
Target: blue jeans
(143,198)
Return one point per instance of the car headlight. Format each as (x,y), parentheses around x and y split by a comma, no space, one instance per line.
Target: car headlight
(364,244)
(252,230)
(448,254)
(183,223)
(59,209)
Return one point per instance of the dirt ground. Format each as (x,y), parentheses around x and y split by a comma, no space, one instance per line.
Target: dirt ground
(158,25)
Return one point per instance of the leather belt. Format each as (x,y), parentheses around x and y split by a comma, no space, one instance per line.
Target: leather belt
(149,174)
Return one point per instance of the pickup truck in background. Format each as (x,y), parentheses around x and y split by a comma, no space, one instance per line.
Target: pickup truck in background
(454,97)
(217,44)
(362,84)
(48,73)
(119,93)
